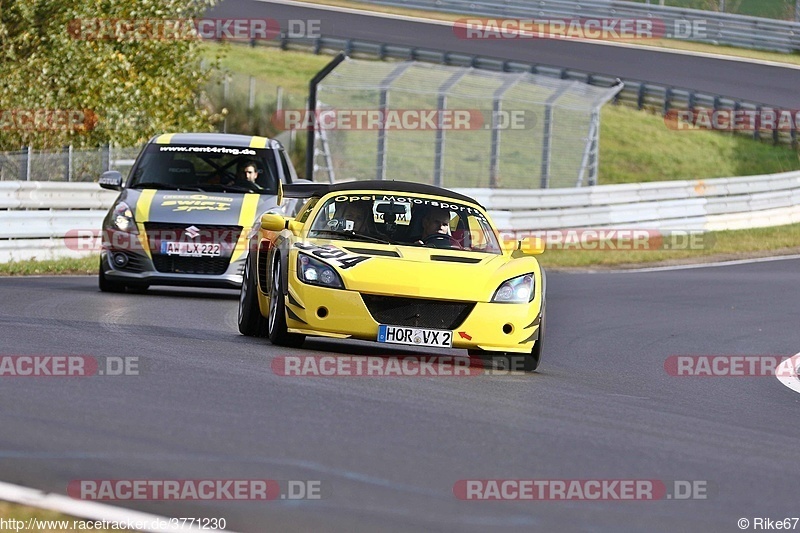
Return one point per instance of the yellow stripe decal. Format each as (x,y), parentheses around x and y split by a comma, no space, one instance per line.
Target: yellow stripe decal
(142,215)
(258,142)
(165,138)
(246,218)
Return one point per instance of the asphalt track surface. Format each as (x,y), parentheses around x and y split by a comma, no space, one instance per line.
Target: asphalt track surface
(388,451)
(770,85)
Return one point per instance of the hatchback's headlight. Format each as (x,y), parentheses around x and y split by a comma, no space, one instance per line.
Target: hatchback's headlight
(122,217)
(516,290)
(315,272)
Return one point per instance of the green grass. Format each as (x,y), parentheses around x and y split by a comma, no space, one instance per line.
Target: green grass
(31,267)
(714,246)
(636,146)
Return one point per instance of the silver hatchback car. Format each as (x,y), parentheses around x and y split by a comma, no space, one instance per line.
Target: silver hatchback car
(183,213)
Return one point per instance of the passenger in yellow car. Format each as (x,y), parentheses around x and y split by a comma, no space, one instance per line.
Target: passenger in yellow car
(357,214)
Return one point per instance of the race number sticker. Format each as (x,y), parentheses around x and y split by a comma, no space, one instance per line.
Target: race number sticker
(332,255)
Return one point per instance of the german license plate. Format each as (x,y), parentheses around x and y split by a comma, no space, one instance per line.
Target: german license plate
(415,336)
(191,249)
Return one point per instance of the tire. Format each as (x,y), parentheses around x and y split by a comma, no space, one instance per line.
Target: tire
(276,322)
(105,284)
(532,361)
(251,322)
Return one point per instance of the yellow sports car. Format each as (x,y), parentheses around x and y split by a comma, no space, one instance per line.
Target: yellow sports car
(393,262)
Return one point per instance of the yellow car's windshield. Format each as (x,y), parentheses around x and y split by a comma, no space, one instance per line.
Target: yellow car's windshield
(405,219)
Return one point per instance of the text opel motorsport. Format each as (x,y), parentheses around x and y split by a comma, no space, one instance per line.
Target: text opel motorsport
(179,217)
(393,262)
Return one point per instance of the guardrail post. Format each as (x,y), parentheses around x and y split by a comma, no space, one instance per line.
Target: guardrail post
(65,157)
(105,157)
(24,163)
(640,96)
(667,96)
(757,129)
(793,135)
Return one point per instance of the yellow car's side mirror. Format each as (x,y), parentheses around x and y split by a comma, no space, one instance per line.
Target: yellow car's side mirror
(273,222)
(524,246)
(531,246)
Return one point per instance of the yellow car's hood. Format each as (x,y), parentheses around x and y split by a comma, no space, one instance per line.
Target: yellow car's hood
(423,271)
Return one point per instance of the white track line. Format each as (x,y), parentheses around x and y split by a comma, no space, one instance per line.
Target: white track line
(92,511)
(377,14)
(787,372)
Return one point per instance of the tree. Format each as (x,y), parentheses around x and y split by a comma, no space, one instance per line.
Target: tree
(86,72)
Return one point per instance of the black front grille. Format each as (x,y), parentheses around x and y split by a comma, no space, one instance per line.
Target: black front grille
(416,312)
(211,266)
(225,236)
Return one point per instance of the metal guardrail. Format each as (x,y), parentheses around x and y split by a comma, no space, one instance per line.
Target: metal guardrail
(701,205)
(37,225)
(636,93)
(714,27)
(42,219)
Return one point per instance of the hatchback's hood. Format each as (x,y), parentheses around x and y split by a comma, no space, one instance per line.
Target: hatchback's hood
(188,207)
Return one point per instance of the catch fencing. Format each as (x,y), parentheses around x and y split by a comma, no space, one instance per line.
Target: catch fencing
(456,127)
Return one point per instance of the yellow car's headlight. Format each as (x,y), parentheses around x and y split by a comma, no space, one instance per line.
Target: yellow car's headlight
(315,272)
(516,290)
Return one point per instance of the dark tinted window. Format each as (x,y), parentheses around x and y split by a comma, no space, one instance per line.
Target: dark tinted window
(209,168)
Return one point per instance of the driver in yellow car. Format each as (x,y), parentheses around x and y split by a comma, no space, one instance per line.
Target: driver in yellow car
(435,221)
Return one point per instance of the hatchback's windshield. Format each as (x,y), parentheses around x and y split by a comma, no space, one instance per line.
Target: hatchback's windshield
(405,219)
(206,168)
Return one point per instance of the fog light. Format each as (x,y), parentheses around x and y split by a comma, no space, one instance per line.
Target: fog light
(322,312)
(508,328)
(120,260)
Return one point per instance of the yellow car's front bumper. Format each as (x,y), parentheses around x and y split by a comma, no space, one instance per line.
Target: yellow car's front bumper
(339,313)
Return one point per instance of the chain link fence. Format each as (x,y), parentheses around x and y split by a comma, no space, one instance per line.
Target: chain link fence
(65,165)
(456,127)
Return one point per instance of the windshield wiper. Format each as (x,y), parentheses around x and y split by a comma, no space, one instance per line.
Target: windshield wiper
(159,185)
(350,233)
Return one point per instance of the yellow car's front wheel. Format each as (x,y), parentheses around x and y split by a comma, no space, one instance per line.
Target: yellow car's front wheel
(276,322)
